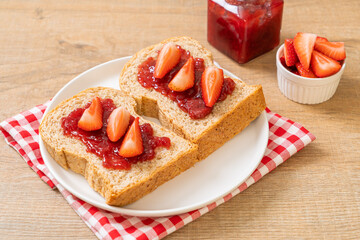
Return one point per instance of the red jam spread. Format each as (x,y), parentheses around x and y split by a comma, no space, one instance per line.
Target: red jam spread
(244,29)
(189,101)
(97,142)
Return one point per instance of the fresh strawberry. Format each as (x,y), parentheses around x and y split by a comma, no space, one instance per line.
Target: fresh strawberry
(304,45)
(185,78)
(168,57)
(322,65)
(289,53)
(91,119)
(132,144)
(212,80)
(296,72)
(321,39)
(282,60)
(118,122)
(303,72)
(334,50)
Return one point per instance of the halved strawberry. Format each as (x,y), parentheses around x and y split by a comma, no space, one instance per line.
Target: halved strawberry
(282,60)
(185,78)
(335,50)
(289,53)
(91,118)
(132,144)
(118,122)
(303,72)
(321,39)
(212,80)
(304,45)
(168,57)
(296,72)
(323,66)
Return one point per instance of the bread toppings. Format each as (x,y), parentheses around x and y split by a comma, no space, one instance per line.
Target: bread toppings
(118,123)
(185,78)
(190,100)
(98,142)
(212,80)
(91,119)
(132,145)
(168,58)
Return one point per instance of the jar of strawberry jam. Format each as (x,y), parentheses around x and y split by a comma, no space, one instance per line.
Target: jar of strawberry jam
(244,29)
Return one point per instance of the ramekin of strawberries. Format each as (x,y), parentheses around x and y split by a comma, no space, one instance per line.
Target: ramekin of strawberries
(309,68)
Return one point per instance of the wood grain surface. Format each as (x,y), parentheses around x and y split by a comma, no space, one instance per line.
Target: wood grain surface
(314,195)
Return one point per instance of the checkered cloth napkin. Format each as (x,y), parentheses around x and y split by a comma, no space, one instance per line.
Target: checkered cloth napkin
(21,132)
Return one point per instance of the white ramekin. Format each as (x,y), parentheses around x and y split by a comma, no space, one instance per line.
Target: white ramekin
(305,90)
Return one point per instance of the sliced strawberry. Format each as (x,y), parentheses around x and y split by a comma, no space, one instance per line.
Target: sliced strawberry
(303,72)
(91,119)
(321,39)
(185,78)
(304,45)
(212,80)
(168,57)
(289,53)
(118,122)
(323,66)
(282,60)
(334,50)
(132,144)
(296,72)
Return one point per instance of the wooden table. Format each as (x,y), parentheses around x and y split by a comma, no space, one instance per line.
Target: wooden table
(314,195)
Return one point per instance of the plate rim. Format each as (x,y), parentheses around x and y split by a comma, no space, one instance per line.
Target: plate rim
(134,212)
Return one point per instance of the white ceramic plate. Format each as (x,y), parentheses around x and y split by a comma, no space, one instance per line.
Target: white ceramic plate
(209,180)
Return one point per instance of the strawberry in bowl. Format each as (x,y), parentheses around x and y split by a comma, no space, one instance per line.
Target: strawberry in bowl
(310,68)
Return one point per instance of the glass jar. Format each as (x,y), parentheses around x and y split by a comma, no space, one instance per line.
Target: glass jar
(244,29)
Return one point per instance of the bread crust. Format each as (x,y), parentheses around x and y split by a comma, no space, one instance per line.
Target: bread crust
(226,124)
(90,166)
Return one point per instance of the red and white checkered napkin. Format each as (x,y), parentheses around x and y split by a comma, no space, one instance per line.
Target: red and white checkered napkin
(21,132)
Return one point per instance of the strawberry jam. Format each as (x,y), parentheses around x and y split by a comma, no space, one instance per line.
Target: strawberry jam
(189,101)
(244,29)
(98,143)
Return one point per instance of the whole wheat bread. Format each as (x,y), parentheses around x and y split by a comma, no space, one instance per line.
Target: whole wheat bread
(118,187)
(227,119)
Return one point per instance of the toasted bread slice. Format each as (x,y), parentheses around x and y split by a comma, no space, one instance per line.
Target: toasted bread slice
(118,187)
(227,119)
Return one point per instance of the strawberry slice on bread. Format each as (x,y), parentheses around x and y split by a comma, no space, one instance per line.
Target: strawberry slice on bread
(168,58)
(304,45)
(323,66)
(211,84)
(118,122)
(132,144)
(185,78)
(91,119)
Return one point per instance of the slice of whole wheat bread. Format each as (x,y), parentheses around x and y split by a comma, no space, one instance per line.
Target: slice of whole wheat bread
(227,119)
(118,187)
